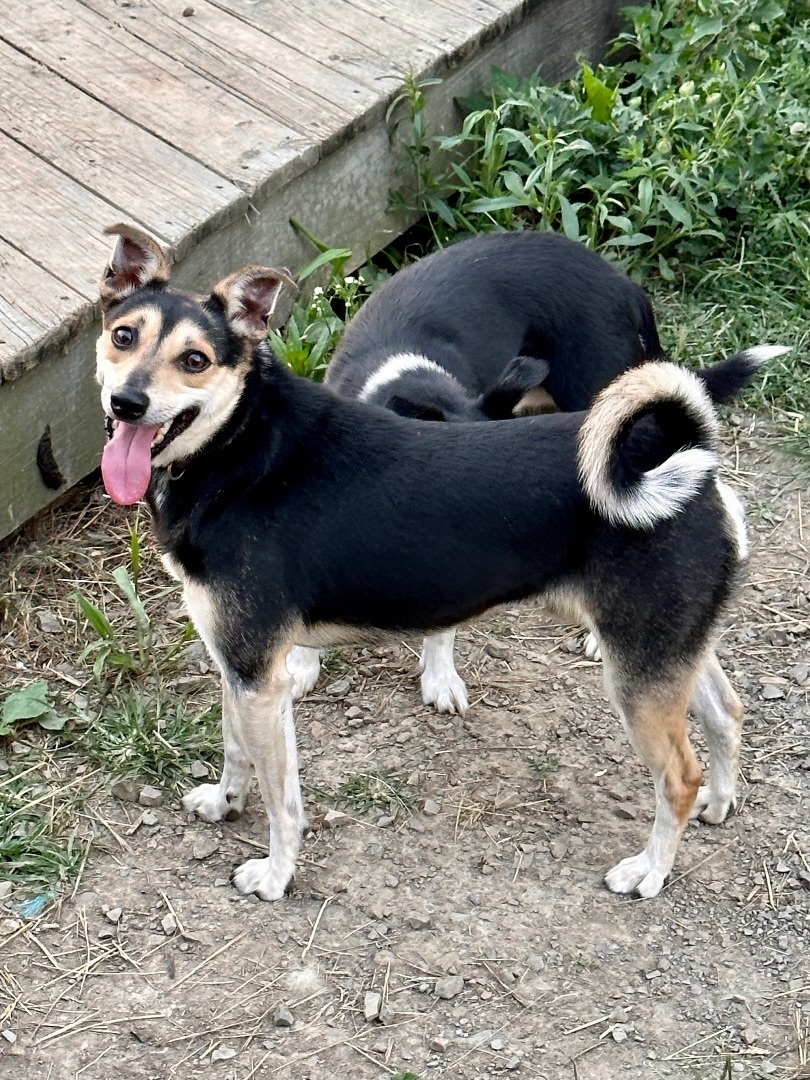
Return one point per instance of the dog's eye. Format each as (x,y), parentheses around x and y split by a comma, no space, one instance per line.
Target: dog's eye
(194,361)
(124,337)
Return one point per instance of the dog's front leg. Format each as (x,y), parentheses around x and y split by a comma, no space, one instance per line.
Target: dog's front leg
(225,800)
(442,685)
(266,726)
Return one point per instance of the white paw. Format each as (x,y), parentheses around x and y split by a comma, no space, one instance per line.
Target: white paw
(305,666)
(259,877)
(210,803)
(711,807)
(446,691)
(592,650)
(636,875)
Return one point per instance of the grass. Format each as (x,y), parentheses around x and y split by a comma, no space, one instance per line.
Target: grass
(376,791)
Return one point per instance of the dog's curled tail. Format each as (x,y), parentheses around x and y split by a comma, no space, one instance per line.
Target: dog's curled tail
(638,473)
(641,485)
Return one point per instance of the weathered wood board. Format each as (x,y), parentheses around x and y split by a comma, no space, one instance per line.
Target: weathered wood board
(210,131)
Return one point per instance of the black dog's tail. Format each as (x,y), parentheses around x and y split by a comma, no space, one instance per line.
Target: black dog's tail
(725,380)
(643,480)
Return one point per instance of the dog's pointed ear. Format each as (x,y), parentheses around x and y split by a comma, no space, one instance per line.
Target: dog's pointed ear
(413,409)
(520,375)
(249,297)
(136,261)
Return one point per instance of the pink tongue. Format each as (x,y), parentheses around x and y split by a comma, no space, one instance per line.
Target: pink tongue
(126,464)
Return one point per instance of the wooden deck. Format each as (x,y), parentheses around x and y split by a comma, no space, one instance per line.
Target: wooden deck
(209,123)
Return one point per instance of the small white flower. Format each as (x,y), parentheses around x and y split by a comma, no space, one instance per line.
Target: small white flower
(687,88)
(349,280)
(798,128)
(317,291)
(714,99)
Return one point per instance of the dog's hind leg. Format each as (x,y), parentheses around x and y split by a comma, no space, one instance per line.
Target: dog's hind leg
(720,712)
(268,733)
(442,685)
(304,664)
(225,800)
(656,720)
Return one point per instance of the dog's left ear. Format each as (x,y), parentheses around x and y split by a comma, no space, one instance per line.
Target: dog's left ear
(136,261)
(520,375)
(249,297)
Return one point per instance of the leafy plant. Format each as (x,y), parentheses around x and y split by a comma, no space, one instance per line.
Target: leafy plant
(31,704)
(316,324)
(688,160)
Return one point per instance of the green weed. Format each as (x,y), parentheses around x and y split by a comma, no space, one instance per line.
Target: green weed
(376,791)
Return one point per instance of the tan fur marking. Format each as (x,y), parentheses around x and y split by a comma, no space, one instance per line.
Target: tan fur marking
(535,402)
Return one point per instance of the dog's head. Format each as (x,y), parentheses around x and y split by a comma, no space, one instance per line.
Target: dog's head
(172,366)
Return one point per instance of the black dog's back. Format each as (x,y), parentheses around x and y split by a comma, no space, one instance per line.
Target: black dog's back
(473,307)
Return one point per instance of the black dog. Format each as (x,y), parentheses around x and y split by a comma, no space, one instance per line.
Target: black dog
(294,517)
(508,321)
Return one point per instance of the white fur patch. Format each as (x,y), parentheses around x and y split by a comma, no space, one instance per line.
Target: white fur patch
(761,354)
(394,367)
(442,685)
(736,517)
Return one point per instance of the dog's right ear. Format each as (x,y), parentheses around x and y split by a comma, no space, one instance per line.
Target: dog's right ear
(520,375)
(136,261)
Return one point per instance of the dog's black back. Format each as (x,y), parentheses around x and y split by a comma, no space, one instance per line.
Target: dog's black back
(475,306)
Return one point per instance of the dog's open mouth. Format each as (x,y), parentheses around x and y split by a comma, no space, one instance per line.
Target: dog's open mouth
(126,465)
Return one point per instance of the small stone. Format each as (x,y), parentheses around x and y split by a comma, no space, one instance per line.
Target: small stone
(558,849)
(497,1044)
(417,921)
(9,926)
(126,790)
(372,1002)
(654,974)
(198,770)
(20,749)
(169,924)
(354,713)
(432,807)
(387,1013)
(9,1035)
(149,818)
(113,915)
(204,848)
(339,688)
(221,882)
(800,673)
(618,1033)
(513,1063)
(628,813)
(449,986)
(150,796)
(5,890)
(106,934)
(283,1018)
(498,651)
(317,731)
(187,13)
(438,1044)
(772,693)
(223,1053)
(48,623)
(333,818)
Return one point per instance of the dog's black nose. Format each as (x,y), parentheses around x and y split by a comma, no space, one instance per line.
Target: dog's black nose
(129,404)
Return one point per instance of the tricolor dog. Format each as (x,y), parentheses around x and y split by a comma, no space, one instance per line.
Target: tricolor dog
(528,322)
(293,517)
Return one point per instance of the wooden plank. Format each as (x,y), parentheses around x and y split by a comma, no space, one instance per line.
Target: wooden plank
(151,182)
(450,29)
(60,397)
(37,312)
(55,221)
(369,51)
(150,88)
(282,82)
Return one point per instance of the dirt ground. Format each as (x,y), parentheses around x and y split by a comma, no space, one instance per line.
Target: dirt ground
(478,913)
